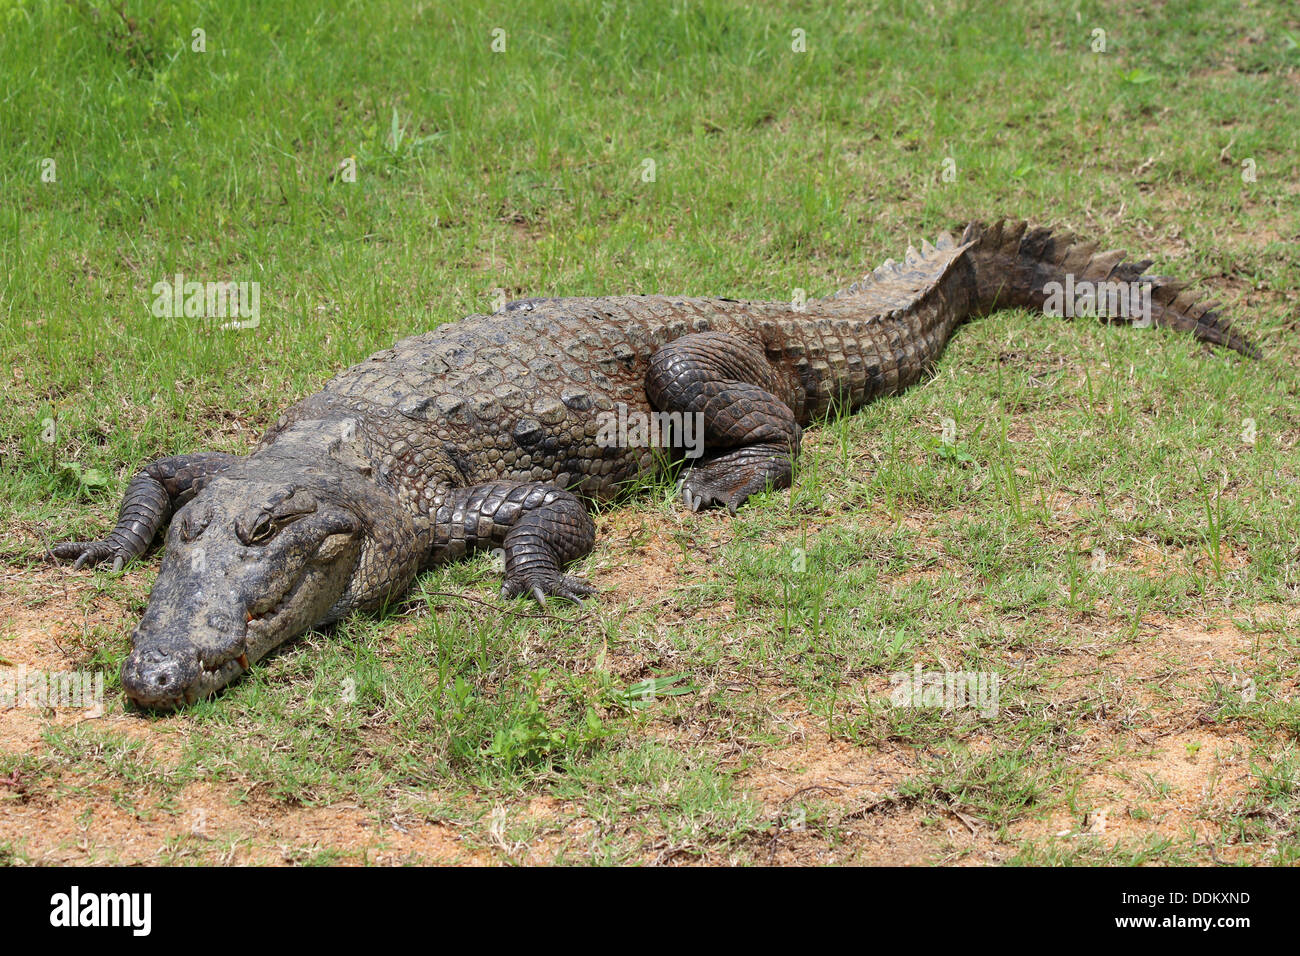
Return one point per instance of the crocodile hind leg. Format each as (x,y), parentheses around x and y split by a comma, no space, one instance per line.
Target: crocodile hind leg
(751,436)
(541,527)
(151,498)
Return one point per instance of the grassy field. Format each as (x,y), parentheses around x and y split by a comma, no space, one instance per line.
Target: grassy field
(1110,527)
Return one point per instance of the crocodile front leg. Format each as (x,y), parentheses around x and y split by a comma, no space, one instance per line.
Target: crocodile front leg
(751,436)
(151,498)
(541,527)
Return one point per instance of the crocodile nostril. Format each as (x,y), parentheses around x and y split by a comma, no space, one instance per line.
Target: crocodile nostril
(160,673)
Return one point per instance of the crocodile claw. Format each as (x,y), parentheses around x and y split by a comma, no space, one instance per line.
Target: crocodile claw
(706,496)
(540,587)
(85,553)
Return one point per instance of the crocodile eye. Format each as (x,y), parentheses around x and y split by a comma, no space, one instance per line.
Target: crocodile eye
(261,530)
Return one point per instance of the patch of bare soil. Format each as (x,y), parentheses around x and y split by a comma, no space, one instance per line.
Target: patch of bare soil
(833,802)
(97,822)
(1174,785)
(643,558)
(1155,762)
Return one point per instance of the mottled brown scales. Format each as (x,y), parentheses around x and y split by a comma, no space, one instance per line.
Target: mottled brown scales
(486,433)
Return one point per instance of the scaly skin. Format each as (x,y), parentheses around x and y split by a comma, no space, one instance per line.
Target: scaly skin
(486,433)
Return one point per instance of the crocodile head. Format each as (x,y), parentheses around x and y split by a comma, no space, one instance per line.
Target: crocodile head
(249,563)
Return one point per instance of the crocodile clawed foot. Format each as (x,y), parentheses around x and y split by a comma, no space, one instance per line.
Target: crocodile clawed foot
(540,587)
(731,479)
(729,485)
(704,494)
(83,553)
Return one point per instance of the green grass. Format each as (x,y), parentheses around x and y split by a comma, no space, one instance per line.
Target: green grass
(1097,493)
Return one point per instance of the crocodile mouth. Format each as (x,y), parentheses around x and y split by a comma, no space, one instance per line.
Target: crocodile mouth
(211,679)
(262,628)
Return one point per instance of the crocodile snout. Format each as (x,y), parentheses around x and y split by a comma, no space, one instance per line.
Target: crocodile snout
(158,676)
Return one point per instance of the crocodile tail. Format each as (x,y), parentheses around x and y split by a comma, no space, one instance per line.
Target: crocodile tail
(1018,266)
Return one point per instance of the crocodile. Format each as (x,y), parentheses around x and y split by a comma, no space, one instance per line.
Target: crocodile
(492,433)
